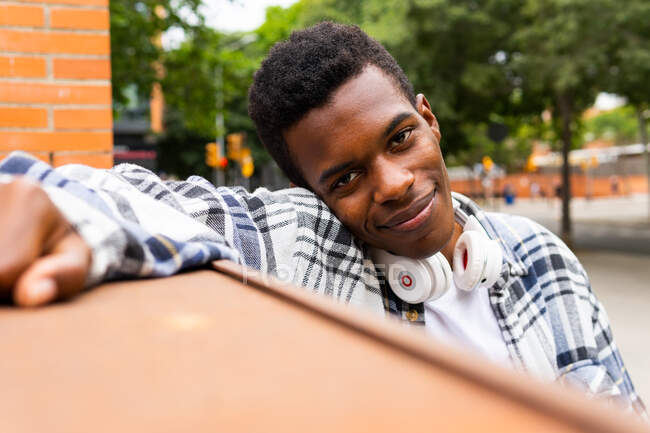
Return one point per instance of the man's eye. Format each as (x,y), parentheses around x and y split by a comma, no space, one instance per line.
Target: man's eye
(345,179)
(402,136)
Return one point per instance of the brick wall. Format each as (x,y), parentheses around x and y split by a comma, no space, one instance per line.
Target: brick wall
(599,186)
(55,92)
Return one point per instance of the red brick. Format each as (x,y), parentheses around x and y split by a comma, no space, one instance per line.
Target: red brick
(87,19)
(98,160)
(18,15)
(83,119)
(54,93)
(71,2)
(56,43)
(43,156)
(82,69)
(55,141)
(28,67)
(19,117)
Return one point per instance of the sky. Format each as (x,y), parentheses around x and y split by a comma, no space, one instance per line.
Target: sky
(227,16)
(607,101)
(238,15)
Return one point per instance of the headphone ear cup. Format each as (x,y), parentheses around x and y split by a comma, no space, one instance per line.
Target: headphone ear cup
(409,279)
(478,260)
(412,280)
(469,260)
(441,275)
(494,263)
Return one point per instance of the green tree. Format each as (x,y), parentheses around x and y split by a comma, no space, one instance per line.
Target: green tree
(618,125)
(454,51)
(631,68)
(196,73)
(564,51)
(135,25)
(209,75)
(278,25)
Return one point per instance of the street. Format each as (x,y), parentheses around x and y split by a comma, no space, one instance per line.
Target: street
(612,240)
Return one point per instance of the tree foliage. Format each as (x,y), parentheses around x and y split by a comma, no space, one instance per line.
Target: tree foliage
(135,26)
(207,75)
(477,62)
(630,69)
(618,125)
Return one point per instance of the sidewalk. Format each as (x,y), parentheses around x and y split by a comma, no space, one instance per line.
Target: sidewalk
(613,223)
(630,211)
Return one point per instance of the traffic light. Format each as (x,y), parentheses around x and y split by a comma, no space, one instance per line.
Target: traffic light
(234,143)
(236,151)
(246,163)
(211,155)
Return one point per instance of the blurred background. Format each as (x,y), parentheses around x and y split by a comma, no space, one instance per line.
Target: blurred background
(543,106)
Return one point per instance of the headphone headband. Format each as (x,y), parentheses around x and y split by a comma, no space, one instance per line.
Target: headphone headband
(477,260)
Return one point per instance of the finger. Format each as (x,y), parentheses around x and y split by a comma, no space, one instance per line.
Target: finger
(60,274)
(40,291)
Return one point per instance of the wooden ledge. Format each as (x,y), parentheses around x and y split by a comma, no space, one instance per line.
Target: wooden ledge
(203,352)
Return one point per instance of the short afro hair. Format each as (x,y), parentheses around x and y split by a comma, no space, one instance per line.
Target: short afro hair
(301,74)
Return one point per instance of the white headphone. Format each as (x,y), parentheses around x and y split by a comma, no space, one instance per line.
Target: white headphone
(477,262)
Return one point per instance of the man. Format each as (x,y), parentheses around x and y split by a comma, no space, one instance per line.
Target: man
(338,115)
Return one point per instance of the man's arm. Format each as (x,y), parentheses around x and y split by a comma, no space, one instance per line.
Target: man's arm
(137,226)
(586,354)
(289,233)
(603,374)
(44,208)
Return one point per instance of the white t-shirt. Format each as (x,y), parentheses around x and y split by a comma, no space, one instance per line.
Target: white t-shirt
(466,320)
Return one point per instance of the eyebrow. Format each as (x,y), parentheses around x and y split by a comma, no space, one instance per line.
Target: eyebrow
(396,121)
(333,170)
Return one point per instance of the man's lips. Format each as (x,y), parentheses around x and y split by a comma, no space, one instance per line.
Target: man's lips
(410,218)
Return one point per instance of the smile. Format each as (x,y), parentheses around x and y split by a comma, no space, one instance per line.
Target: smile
(414,217)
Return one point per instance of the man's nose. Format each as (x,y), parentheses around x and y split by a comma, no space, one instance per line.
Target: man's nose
(392,181)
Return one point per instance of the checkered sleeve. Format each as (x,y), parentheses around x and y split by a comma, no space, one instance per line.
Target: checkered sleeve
(290,234)
(261,227)
(130,234)
(603,374)
(138,225)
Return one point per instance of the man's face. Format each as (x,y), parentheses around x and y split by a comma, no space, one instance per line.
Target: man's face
(376,162)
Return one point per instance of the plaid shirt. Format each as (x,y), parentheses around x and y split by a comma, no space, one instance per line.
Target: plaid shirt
(139,226)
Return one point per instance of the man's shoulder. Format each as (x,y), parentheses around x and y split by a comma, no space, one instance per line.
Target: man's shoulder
(527,245)
(517,234)
(518,228)
(522,234)
(536,249)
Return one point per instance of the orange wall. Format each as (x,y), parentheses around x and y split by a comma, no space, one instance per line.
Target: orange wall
(600,186)
(55,89)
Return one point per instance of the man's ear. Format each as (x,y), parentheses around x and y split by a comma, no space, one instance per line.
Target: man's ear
(423,107)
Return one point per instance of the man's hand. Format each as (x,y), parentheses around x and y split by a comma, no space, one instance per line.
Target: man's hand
(42,258)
